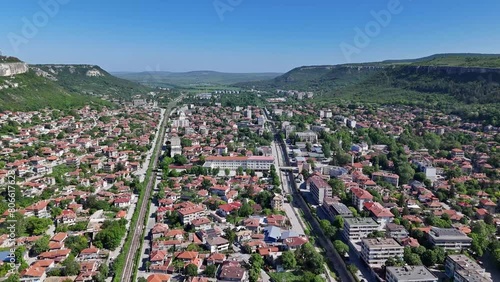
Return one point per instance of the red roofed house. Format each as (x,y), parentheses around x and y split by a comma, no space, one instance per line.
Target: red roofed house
(488,205)
(158,278)
(122,202)
(380,214)
(190,213)
(359,197)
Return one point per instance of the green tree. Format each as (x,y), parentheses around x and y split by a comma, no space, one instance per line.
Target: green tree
(429,258)
(245,210)
(178,265)
(37,226)
(230,235)
(352,268)
(180,160)
(338,222)
(210,271)
(341,247)
(13,278)
(413,259)
(256,261)
(288,260)
(254,274)
(71,266)
(41,245)
(193,247)
(76,244)
(191,270)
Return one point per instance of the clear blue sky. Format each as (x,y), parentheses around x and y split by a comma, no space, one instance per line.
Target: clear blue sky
(255,36)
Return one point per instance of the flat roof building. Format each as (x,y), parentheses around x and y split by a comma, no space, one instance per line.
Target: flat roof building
(376,251)
(259,163)
(449,238)
(334,208)
(464,269)
(319,189)
(409,274)
(357,228)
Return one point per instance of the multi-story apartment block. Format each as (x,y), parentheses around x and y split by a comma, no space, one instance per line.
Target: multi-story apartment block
(396,231)
(461,268)
(359,197)
(277,202)
(334,208)
(409,274)
(190,213)
(307,136)
(319,188)
(387,177)
(358,228)
(449,238)
(376,251)
(258,163)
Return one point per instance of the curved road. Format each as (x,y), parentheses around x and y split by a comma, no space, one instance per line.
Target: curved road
(138,228)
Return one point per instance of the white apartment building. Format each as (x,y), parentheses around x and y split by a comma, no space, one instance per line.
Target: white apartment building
(376,251)
(409,274)
(188,214)
(449,238)
(461,268)
(319,188)
(258,163)
(357,228)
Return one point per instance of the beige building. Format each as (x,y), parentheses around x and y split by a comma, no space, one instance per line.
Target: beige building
(376,251)
(357,228)
(277,202)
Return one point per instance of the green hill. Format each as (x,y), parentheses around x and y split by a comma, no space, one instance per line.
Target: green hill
(466,84)
(455,60)
(193,78)
(34,92)
(7,59)
(60,86)
(90,80)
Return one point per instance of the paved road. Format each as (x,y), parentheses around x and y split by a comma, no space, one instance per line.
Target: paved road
(331,254)
(138,228)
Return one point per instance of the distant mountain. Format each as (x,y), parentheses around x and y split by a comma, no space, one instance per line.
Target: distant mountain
(33,87)
(469,83)
(192,78)
(426,74)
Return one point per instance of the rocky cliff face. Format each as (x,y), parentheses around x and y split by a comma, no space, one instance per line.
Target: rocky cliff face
(8,69)
(451,70)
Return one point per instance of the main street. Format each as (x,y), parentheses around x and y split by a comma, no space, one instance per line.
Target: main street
(288,181)
(138,229)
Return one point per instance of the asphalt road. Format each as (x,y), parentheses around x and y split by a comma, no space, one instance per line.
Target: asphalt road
(331,254)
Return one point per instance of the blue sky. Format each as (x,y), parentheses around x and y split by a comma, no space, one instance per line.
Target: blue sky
(249,36)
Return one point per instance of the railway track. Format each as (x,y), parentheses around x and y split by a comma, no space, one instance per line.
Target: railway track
(139,228)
